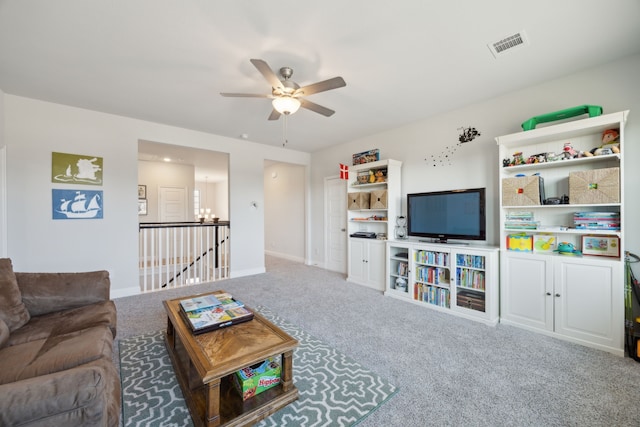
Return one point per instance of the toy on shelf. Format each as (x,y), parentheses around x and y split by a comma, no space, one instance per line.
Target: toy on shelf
(592,110)
(610,141)
(565,248)
(568,151)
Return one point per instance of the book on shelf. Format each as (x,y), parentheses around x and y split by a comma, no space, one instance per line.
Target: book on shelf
(210,315)
(597,220)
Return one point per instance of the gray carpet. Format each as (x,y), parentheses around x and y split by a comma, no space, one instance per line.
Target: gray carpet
(334,390)
(449,370)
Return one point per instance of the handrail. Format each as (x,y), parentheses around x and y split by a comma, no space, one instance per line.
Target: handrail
(144,225)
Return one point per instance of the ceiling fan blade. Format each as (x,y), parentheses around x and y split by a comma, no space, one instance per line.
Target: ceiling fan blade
(315,107)
(268,73)
(274,115)
(322,86)
(245,95)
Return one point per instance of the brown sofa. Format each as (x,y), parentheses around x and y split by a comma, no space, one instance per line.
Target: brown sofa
(56,345)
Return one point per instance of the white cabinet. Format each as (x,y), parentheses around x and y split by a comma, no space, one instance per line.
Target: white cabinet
(456,279)
(579,299)
(374,202)
(578,296)
(366,262)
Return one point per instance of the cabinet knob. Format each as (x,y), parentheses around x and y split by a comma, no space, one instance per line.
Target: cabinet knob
(343,229)
(557,295)
(549,293)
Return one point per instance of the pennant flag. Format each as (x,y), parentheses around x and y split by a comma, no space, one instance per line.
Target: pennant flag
(344,171)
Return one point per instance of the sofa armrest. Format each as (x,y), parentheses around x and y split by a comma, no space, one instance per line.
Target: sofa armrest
(44,293)
(85,395)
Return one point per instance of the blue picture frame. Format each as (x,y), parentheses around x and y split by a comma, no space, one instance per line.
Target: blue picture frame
(76,204)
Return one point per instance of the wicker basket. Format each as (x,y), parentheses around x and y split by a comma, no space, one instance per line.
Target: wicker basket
(378,199)
(522,191)
(358,201)
(594,186)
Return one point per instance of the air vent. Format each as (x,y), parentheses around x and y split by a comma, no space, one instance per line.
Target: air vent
(508,44)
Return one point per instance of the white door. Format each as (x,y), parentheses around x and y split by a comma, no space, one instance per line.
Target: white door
(173,204)
(335,190)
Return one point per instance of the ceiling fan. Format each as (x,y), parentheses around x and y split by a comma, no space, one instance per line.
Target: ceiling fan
(287,96)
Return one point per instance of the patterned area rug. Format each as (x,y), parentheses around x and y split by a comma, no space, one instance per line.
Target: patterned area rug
(334,390)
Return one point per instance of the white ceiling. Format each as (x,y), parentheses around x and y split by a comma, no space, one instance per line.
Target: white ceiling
(403,61)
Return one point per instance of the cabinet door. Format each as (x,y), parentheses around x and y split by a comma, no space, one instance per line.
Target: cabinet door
(526,286)
(356,259)
(376,264)
(587,296)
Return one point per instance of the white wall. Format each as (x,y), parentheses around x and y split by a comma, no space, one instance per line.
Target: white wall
(475,164)
(221,200)
(37,243)
(284,189)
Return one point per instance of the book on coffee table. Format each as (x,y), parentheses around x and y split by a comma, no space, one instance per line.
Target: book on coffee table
(227,312)
(199,302)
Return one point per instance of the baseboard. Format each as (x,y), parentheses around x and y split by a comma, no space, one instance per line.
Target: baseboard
(250,272)
(285,256)
(126,292)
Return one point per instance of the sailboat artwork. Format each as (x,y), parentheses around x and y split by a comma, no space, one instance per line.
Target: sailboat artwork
(76,169)
(77,204)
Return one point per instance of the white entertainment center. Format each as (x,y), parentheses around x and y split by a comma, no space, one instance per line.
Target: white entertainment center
(570,295)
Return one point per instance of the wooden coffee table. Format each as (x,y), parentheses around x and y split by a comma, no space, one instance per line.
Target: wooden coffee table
(204,365)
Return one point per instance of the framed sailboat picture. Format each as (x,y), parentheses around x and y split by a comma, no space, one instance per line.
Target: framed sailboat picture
(76,204)
(76,169)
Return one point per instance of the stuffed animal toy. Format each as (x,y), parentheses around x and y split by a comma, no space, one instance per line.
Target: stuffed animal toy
(610,138)
(569,152)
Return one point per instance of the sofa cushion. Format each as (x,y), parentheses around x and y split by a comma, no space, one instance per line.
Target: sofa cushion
(4,334)
(88,395)
(55,354)
(66,321)
(12,310)
(44,293)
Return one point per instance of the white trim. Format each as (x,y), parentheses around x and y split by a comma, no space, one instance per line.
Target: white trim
(285,256)
(249,272)
(3,202)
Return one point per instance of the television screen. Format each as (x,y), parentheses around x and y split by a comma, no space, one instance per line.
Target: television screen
(454,214)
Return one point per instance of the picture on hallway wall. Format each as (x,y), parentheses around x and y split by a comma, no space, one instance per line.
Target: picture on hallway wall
(76,204)
(76,169)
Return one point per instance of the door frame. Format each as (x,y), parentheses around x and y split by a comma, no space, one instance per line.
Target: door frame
(326,225)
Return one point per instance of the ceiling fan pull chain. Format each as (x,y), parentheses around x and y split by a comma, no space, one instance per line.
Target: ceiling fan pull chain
(284,131)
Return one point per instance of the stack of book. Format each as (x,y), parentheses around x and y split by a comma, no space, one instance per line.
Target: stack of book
(209,312)
(520,221)
(597,220)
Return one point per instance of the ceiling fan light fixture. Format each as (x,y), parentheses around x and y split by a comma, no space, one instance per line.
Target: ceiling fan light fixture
(286,104)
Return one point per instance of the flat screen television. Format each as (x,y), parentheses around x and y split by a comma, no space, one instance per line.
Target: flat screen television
(445,215)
